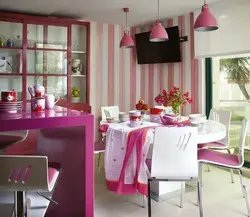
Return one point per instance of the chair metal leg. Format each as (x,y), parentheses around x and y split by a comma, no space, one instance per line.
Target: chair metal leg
(149,200)
(244,190)
(182,194)
(47,198)
(143,201)
(231,171)
(208,168)
(98,162)
(200,198)
(201,173)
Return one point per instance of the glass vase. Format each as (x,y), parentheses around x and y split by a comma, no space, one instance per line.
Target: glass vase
(177,111)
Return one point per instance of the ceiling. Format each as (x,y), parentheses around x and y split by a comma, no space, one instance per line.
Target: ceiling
(105,11)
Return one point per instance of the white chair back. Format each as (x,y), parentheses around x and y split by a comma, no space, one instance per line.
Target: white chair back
(175,152)
(243,133)
(24,173)
(224,117)
(110,111)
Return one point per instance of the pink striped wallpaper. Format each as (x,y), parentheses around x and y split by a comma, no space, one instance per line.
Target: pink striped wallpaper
(117,79)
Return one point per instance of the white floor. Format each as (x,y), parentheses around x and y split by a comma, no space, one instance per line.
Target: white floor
(220,198)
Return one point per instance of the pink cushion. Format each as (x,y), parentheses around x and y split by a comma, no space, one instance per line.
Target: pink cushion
(6,140)
(219,158)
(53,172)
(149,164)
(100,146)
(211,144)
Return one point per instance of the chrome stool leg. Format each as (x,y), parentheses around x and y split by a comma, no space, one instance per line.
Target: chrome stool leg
(200,198)
(244,190)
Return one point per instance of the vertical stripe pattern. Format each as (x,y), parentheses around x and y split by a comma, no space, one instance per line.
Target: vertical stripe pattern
(117,79)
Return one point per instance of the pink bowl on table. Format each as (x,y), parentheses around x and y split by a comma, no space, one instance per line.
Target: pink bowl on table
(169,119)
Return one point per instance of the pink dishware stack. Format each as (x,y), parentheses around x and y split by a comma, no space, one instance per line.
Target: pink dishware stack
(9,103)
(135,118)
(39,100)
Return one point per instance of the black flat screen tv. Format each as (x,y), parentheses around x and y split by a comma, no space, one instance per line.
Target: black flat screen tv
(158,52)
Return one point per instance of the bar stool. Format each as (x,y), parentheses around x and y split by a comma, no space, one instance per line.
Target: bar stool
(21,174)
(12,137)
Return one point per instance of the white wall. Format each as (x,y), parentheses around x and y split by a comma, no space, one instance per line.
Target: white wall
(233,35)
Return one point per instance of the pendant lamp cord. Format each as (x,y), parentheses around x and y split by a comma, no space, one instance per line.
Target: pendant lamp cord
(126,22)
(159,10)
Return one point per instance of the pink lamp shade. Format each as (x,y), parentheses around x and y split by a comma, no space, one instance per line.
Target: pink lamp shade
(158,33)
(205,21)
(127,41)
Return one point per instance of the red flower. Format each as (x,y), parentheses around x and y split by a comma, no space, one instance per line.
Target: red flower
(176,88)
(186,94)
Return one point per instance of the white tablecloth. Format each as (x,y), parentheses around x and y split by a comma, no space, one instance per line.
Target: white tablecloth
(210,131)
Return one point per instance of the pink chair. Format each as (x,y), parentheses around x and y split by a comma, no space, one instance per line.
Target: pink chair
(27,173)
(100,149)
(231,161)
(224,117)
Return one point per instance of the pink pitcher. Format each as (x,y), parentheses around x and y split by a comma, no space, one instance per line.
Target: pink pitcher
(36,90)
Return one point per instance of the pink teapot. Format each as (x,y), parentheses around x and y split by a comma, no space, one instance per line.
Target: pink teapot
(36,90)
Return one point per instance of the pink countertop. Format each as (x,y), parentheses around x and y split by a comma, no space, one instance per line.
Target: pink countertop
(57,117)
(63,117)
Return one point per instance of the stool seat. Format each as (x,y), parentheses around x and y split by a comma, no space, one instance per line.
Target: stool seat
(6,140)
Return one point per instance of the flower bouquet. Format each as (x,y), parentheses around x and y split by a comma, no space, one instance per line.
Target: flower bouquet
(176,98)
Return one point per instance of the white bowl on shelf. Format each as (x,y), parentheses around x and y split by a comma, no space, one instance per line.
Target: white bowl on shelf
(75,99)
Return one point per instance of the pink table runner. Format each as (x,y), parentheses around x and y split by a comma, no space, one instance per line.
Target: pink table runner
(126,172)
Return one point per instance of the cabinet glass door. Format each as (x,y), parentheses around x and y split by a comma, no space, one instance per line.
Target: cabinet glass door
(47,58)
(78,63)
(11,57)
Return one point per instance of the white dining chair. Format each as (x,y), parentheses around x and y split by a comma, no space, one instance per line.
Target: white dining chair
(21,174)
(224,117)
(100,149)
(12,137)
(107,112)
(110,111)
(231,161)
(174,159)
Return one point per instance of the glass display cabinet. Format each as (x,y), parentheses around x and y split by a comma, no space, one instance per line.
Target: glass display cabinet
(50,51)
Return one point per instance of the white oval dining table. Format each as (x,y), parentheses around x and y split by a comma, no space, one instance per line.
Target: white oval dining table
(209,131)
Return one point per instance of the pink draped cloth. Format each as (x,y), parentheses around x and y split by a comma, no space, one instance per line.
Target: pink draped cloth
(126,171)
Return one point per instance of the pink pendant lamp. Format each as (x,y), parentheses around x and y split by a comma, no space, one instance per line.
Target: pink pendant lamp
(158,32)
(205,21)
(126,41)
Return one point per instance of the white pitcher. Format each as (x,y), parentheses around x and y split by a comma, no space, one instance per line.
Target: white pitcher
(50,101)
(36,90)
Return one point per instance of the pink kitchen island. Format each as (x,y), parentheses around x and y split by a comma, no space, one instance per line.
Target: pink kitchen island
(67,137)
